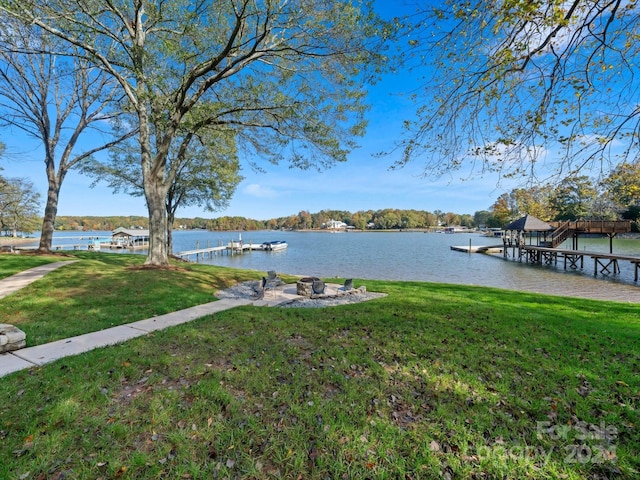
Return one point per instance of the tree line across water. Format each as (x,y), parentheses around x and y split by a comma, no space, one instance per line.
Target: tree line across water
(576,198)
(615,197)
(370,219)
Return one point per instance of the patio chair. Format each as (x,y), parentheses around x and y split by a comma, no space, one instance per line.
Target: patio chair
(348,284)
(272,277)
(318,287)
(268,286)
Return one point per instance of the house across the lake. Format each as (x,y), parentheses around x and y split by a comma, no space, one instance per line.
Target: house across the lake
(335,225)
(129,238)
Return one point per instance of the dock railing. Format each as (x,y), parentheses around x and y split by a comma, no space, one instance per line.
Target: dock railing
(595,226)
(560,234)
(564,230)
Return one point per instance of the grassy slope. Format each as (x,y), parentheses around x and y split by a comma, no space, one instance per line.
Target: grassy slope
(12,264)
(105,290)
(433,380)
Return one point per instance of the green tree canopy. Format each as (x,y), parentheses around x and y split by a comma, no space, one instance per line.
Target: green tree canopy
(287,76)
(207,175)
(623,185)
(19,204)
(574,198)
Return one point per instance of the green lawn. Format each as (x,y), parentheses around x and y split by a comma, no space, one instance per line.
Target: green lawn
(105,290)
(12,264)
(432,381)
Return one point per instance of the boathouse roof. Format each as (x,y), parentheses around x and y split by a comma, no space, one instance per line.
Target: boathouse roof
(529,223)
(129,232)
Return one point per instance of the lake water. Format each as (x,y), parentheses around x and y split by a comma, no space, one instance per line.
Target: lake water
(410,256)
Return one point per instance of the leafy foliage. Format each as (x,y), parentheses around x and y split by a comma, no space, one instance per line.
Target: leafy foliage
(206,173)
(623,185)
(287,77)
(574,198)
(19,205)
(525,88)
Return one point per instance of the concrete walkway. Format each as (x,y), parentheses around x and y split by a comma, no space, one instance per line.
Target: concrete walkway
(20,280)
(41,354)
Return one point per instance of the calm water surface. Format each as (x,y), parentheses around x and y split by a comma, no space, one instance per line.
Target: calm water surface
(412,256)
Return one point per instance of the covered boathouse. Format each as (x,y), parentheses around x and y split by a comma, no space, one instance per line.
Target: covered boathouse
(526,228)
(129,238)
(544,240)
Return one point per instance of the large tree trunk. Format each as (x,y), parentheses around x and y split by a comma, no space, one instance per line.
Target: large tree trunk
(48,223)
(154,192)
(51,208)
(157,226)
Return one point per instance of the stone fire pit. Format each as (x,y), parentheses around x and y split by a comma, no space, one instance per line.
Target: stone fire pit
(304,286)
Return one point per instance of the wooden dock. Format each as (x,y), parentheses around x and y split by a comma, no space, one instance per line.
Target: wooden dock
(232,248)
(478,248)
(97,247)
(603,263)
(69,246)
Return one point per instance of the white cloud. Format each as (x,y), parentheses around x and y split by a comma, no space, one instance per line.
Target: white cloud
(259,191)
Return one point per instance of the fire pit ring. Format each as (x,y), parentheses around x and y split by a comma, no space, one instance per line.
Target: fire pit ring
(304,286)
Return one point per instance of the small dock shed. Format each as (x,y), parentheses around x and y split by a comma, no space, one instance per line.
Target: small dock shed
(129,238)
(527,227)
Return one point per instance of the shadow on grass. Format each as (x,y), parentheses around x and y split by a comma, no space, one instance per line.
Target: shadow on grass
(10,264)
(104,290)
(430,381)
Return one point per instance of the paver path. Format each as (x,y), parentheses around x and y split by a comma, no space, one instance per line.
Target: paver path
(19,280)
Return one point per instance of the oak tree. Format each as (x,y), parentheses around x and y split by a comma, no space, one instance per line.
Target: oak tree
(207,172)
(287,76)
(19,204)
(57,100)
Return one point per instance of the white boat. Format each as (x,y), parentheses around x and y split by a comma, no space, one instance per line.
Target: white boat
(275,245)
(493,232)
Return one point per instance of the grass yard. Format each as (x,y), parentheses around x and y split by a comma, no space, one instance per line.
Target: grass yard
(105,290)
(12,264)
(432,381)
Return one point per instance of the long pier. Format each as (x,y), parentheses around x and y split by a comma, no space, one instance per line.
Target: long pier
(603,263)
(232,248)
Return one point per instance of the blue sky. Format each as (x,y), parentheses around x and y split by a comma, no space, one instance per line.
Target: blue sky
(364,182)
